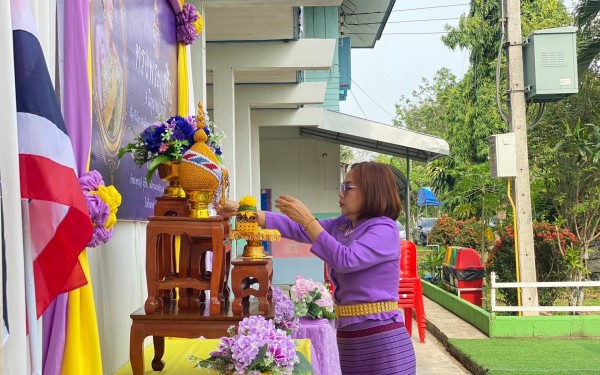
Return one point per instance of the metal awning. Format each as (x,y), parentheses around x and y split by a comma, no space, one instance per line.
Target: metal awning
(368,135)
(363,21)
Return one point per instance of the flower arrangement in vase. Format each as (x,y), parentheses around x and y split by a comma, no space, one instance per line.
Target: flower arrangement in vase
(102,203)
(256,347)
(161,142)
(312,299)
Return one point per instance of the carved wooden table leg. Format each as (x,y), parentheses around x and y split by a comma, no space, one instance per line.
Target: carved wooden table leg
(151,272)
(184,269)
(236,286)
(217,270)
(159,350)
(264,285)
(197,257)
(226,271)
(136,351)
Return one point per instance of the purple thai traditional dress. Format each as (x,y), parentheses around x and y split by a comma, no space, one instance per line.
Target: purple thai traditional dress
(363,264)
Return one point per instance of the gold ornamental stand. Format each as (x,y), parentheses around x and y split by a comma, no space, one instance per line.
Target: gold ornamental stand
(251,268)
(254,248)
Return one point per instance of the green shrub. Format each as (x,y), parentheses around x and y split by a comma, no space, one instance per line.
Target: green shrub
(550,261)
(451,232)
(431,264)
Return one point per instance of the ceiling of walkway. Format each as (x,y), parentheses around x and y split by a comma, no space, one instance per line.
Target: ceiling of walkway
(276,20)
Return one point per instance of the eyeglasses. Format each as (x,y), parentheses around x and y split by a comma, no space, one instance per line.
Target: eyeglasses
(345,187)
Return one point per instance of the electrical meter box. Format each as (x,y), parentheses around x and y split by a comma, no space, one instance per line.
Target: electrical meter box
(503,158)
(550,64)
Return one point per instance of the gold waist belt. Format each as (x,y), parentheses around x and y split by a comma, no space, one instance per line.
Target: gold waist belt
(365,308)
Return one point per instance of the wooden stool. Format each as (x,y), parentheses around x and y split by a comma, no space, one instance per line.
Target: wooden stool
(189,229)
(194,266)
(169,206)
(247,271)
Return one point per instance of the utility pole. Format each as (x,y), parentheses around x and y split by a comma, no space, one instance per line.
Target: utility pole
(518,125)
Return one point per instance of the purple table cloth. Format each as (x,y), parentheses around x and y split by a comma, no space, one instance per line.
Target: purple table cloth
(324,352)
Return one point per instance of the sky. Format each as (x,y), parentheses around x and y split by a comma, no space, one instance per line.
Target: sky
(399,62)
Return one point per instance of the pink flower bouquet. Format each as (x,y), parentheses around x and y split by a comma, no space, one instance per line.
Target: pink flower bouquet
(312,299)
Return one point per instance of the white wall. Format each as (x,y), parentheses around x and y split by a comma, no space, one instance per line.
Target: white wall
(304,168)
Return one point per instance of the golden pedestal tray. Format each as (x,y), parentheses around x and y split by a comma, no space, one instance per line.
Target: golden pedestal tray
(254,247)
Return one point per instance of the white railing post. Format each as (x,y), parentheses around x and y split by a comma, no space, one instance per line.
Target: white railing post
(493,291)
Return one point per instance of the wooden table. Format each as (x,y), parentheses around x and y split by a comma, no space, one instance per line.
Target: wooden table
(189,228)
(172,322)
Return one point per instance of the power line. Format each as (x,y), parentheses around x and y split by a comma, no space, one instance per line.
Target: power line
(358,104)
(368,96)
(409,33)
(404,21)
(411,9)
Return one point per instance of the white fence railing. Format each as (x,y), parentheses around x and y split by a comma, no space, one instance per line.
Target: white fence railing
(559,284)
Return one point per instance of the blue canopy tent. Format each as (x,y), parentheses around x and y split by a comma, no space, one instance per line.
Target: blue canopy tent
(425,197)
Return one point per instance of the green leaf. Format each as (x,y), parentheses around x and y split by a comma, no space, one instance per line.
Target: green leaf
(153,165)
(123,151)
(303,367)
(259,357)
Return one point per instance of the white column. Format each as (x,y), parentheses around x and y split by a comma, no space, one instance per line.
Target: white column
(243,147)
(255,158)
(44,12)
(14,352)
(224,117)
(198,64)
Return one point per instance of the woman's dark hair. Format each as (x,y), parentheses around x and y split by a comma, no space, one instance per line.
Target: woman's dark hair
(378,188)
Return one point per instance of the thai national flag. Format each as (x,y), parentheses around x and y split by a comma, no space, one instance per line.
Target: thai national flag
(60,226)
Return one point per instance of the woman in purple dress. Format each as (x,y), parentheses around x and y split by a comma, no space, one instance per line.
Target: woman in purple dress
(362,251)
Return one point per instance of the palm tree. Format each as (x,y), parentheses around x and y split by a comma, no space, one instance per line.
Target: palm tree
(586,19)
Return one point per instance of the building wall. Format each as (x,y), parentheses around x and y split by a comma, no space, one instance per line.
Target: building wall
(322,22)
(305,169)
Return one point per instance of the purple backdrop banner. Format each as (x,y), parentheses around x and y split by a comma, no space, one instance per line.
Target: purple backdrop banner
(134,82)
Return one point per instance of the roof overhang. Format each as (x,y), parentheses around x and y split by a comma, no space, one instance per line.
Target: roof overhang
(373,136)
(363,21)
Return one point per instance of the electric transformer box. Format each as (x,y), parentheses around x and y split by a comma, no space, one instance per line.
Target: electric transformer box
(503,155)
(550,64)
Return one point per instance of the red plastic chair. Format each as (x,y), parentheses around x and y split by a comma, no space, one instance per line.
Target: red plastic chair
(328,282)
(410,292)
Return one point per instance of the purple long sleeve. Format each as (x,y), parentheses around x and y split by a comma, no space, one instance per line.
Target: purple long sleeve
(364,265)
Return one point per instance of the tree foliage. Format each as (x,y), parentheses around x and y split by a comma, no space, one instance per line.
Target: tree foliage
(586,19)
(425,111)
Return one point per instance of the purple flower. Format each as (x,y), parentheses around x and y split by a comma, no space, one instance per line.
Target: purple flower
(100,235)
(99,213)
(186,31)
(98,209)
(183,129)
(239,352)
(90,181)
(285,317)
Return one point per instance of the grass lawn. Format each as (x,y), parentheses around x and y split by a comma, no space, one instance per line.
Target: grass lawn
(532,356)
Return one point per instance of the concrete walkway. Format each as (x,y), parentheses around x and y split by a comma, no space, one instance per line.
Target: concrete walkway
(432,356)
